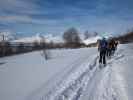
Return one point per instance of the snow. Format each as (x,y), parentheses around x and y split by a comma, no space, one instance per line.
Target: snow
(56,39)
(22,74)
(38,38)
(70,74)
(91,40)
(31,39)
(123,71)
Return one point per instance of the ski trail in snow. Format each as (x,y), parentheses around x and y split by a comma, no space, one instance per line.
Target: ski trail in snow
(97,83)
(100,85)
(73,87)
(59,79)
(86,82)
(120,92)
(97,88)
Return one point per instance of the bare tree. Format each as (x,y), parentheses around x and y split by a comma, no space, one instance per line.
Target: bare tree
(95,33)
(71,37)
(36,45)
(87,35)
(46,52)
(4,41)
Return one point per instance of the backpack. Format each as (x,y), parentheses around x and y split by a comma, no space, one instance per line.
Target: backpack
(103,44)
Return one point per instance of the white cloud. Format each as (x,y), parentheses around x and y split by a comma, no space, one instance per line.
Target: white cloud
(15,19)
(17,6)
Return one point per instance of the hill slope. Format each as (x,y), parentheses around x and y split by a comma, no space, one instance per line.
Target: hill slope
(70,74)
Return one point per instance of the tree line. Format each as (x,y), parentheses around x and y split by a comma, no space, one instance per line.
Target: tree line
(71,39)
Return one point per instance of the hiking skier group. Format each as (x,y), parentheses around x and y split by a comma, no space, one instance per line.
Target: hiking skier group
(106,49)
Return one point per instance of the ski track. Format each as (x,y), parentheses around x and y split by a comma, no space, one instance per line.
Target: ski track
(100,86)
(87,82)
(73,86)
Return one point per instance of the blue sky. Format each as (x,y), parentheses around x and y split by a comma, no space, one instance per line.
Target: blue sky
(55,16)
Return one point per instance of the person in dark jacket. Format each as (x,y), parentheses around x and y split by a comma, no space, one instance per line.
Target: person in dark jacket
(109,48)
(102,47)
(113,47)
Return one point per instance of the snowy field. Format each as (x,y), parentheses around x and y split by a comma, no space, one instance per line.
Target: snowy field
(68,75)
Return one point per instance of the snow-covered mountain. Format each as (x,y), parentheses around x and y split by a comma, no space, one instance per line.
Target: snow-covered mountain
(39,37)
(56,39)
(91,40)
(31,39)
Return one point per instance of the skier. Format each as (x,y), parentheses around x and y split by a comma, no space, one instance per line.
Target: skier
(102,48)
(109,48)
(113,47)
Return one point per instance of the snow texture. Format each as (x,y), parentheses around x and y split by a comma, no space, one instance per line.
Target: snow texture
(71,74)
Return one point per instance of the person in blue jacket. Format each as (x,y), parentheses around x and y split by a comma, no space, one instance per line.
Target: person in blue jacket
(102,47)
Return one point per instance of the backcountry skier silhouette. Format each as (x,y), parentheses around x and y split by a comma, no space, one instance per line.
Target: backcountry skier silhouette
(102,48)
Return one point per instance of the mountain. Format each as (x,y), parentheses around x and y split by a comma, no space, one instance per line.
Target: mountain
(38,38)
(91,40)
